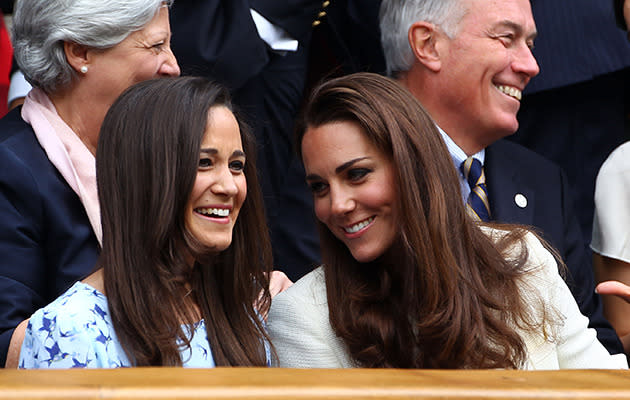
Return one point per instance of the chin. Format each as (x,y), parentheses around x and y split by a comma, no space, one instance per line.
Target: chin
(365,257)
(217,245)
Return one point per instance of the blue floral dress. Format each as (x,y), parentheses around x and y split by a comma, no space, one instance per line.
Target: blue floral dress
(76,331)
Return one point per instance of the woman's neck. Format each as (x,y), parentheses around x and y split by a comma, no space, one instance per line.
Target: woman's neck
(95,280)
(81,114)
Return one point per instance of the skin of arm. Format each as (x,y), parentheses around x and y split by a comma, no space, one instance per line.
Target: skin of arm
(13,355)
(612,273)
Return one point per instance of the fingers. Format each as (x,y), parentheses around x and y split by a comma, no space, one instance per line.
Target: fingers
(279,282)
(615,288)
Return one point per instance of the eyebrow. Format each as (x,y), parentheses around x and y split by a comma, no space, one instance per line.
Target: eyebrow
(213,151)
(339,169)
(516,27)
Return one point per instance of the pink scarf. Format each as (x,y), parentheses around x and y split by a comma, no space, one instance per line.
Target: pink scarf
(66,152)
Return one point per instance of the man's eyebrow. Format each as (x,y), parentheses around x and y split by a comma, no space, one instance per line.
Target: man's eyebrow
(517,28)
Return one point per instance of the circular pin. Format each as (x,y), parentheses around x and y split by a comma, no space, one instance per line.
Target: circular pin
(520,200)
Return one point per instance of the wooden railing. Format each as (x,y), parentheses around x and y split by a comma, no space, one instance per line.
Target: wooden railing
(263,383)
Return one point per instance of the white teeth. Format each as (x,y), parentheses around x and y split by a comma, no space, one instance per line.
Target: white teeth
(510,91)
(359,226)
(214,212)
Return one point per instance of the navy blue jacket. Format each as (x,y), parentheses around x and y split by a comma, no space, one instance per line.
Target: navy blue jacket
(577,41)
(512,169)
(46,240)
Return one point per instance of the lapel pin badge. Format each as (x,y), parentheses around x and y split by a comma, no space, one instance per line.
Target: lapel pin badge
(520,200)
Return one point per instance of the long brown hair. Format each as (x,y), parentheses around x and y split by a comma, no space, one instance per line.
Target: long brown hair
(449,298)
(147,162)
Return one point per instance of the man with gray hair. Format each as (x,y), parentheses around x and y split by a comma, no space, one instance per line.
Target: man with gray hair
(468,62)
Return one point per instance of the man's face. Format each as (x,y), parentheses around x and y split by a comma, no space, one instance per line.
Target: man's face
(485,68)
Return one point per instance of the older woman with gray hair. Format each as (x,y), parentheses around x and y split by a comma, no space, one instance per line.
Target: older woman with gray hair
(79,56)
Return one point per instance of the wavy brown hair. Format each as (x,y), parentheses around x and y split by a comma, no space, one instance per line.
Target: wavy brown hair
(147,160)
(449,298)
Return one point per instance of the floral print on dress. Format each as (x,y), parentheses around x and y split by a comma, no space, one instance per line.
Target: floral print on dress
(76,331)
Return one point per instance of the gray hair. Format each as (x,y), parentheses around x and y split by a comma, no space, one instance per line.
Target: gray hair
(40,28)
(397,16)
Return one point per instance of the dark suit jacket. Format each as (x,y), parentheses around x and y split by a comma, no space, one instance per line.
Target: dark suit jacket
(512,169)
(577,41)
(46,240)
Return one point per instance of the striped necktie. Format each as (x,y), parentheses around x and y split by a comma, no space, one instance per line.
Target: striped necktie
(477,204)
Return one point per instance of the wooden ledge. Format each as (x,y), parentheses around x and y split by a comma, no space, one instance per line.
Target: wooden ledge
(271,383)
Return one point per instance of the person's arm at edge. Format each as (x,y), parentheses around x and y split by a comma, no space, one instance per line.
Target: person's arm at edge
(13,354)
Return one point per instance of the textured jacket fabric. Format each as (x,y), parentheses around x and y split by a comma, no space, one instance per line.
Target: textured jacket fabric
(300,328)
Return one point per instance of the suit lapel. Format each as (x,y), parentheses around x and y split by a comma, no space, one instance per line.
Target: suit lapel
(512,200)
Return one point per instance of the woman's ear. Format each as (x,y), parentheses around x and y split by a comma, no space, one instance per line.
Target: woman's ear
(77,56)
(423,38)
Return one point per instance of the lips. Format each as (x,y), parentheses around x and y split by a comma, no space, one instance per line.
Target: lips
(510,91)
(358,226)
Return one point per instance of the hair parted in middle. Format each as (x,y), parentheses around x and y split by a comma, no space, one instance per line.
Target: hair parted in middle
(147,160)
(450,298)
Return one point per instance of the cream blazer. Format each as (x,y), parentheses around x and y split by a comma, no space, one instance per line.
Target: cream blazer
(300,329)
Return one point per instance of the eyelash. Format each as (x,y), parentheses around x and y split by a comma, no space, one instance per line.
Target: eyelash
(205,163)
(158,47)
(354,175)
(237,166)
(318,188)
(357,174)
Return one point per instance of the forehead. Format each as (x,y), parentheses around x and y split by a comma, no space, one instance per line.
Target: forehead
(342,136)
(222,130)
(158,25)
(489,14)
(331,144)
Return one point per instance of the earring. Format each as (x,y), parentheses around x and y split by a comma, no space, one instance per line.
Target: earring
(84,69)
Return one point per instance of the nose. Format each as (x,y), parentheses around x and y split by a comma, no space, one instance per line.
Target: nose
(225,184)
(525,62)
(341,202)
(169,67)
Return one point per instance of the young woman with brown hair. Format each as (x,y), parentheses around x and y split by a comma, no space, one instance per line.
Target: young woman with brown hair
(408,279)
(183,272)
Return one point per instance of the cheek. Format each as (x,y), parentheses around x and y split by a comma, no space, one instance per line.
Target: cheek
(241,183)
(322,211)
(146,69)
(198,188)
(377,196)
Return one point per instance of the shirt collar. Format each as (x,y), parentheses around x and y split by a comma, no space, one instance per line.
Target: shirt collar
(457,154)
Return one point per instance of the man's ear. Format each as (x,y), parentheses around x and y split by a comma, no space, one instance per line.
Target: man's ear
(76,54)
(423,37)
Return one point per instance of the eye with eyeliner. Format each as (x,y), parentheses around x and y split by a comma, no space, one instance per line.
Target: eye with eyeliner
(205,163)
(318,188)
(356,174)
(237,165)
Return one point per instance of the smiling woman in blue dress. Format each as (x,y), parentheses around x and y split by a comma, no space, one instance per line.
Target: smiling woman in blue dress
(184,268)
